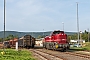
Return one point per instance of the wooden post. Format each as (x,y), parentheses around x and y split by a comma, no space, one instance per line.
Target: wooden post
(17,46)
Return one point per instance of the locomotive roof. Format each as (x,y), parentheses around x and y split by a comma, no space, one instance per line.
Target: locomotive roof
(56,31)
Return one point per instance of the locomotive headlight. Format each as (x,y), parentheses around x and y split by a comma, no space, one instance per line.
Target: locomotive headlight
(49,37)
(60,45)
(56,46)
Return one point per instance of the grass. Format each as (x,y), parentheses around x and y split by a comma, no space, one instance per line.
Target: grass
(77,48)
(84,48)
(11,54)
(87,46)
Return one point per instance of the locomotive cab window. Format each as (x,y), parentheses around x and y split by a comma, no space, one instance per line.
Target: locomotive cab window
(58,32)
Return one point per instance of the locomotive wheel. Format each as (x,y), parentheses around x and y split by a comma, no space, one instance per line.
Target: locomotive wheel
(54,47)
(64,50)
(47,46)
(43,45)
(32,46)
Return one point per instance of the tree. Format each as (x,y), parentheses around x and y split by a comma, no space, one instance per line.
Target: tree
(85,32)
(84,36)
(1,39)
(40,36)
(11,37)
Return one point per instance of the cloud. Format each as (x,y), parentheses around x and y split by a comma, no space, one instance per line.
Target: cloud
(36,15)
(10,1)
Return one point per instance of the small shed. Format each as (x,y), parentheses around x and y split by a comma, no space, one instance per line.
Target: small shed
(39,42)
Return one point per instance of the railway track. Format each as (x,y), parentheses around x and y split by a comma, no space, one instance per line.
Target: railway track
(79,54)
(46,56)
(66,55)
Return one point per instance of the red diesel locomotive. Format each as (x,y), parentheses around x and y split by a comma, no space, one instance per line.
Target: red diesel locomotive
(56,41)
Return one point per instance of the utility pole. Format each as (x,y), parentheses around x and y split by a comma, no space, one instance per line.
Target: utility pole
(77,23)
(4,24)
(81,38)
(63,25)
(43,33)
(88,34)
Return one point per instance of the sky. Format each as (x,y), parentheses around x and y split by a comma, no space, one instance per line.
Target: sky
(45,15)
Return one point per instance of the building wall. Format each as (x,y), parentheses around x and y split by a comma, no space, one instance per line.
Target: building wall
(38,43)
(76,41)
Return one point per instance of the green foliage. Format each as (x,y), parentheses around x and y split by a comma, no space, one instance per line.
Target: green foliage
(40,36)
(73,37)
(77,48)
(11,54)
(84,36)
(9,37)
(1,39)
(85,32)
(87,46)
